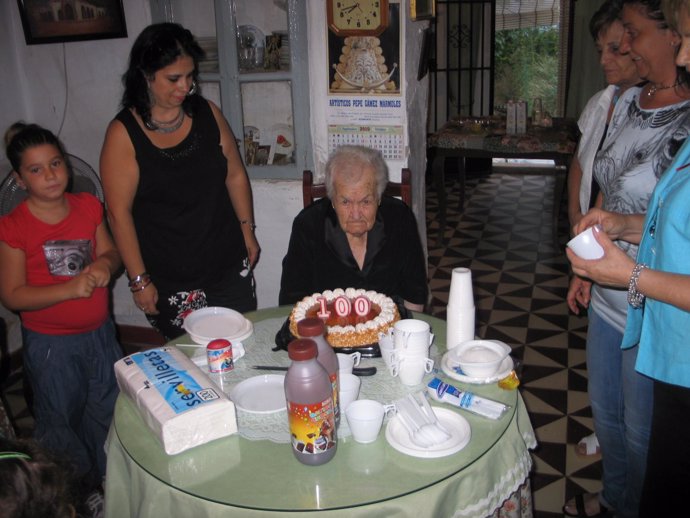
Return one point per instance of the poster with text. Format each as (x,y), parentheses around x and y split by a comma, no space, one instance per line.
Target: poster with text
(365,96)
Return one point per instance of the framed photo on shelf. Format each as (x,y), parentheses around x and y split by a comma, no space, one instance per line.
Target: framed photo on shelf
(56,22)
(422,10)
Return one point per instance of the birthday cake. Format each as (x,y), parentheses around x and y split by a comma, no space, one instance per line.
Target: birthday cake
(353,317)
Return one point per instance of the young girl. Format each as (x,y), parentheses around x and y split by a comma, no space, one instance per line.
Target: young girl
(56,260)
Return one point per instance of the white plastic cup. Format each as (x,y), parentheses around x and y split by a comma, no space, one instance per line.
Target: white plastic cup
(411,333)
(411,369)
(346,362)
(365,417)
(459,325)
(460,294)
(585,245)
(386,346)
(349,389)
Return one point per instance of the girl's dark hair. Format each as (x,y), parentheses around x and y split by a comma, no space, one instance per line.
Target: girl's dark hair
(21,136)
(39,486)
(158,46)
(652,9)
(608,13)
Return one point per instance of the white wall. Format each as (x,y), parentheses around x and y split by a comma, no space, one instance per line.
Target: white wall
(77,80)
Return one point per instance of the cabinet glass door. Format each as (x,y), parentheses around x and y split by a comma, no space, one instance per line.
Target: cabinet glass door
(252,73)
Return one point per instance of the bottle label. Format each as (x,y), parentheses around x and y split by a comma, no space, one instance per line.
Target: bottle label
(336,396)
(220,360)
(312,427)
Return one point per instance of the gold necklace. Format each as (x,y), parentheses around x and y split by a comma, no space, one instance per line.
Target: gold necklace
(654,88)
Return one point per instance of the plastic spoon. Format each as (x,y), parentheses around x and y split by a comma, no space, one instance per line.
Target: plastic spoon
(420,432)
(431,415)
(430,429)
(412,429)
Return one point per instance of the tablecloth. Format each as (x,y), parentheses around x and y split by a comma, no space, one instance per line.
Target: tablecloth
(236,477)
(274,427)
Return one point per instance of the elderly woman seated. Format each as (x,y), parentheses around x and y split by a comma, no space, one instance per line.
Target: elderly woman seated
(356,237)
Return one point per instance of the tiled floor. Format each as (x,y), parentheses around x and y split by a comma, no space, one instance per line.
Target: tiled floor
(520,282)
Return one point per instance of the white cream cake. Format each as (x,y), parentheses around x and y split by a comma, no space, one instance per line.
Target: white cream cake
(350,330)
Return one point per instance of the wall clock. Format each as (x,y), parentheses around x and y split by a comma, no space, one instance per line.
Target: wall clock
(357,17)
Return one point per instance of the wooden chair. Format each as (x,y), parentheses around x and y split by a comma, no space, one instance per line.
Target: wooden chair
(313,191)
(134,339)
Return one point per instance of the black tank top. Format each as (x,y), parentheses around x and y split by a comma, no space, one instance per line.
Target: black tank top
(188,232)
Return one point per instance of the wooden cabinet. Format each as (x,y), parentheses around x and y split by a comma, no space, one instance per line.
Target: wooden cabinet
(256,69)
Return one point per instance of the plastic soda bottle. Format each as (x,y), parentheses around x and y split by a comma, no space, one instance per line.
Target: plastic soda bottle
(309,398)
(314,328)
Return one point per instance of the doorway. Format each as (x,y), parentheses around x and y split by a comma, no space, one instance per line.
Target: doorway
(490,51)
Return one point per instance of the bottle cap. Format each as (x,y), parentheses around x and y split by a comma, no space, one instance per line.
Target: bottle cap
(218,343)
(312,326)
(302,349)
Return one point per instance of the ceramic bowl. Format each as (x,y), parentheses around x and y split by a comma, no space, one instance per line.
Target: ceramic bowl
(480,358)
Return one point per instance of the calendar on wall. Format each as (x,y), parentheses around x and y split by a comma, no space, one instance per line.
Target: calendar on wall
(389,140)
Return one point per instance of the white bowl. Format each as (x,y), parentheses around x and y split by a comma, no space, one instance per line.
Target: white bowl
(206,324)
(480,358)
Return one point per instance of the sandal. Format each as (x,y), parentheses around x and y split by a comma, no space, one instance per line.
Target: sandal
(580,507)
(588,446)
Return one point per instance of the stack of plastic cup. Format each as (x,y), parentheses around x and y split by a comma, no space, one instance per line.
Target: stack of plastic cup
(460,312)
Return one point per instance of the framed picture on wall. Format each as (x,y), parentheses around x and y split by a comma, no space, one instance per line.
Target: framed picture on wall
(71,20)
(422,9)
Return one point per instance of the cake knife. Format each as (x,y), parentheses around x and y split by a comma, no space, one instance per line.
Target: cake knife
(357,371)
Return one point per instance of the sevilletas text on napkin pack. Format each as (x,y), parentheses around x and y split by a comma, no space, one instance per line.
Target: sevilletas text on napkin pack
(178,402)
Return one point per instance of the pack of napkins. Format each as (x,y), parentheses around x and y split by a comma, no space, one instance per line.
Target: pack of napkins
(176,399)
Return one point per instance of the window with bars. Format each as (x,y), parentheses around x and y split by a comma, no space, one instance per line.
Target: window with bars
(468,32)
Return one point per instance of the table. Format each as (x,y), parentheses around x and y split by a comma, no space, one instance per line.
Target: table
(486,138)
(235,476)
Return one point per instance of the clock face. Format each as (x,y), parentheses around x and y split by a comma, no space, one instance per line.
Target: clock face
(357,17)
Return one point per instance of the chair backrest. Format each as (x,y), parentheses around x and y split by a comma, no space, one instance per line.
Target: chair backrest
(313,191)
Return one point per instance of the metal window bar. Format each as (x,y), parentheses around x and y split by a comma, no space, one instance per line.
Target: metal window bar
(462,69)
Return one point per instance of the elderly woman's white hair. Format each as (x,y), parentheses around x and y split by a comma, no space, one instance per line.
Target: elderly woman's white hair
(347,161)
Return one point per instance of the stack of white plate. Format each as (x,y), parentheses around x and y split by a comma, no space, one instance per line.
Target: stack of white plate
(206,324)
(210,47)
(284,50)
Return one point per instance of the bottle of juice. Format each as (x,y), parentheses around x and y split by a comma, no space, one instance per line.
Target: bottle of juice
(309,397)
(314,328)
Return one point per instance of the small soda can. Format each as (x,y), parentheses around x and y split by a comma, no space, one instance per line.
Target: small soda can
(219,355)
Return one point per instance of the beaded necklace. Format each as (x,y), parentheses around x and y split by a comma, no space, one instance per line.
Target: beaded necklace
(165,126)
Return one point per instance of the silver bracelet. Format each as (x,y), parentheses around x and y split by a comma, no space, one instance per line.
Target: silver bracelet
(251,224)
(635,297)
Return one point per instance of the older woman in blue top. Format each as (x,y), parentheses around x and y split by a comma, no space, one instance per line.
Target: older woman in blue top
(658,322)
